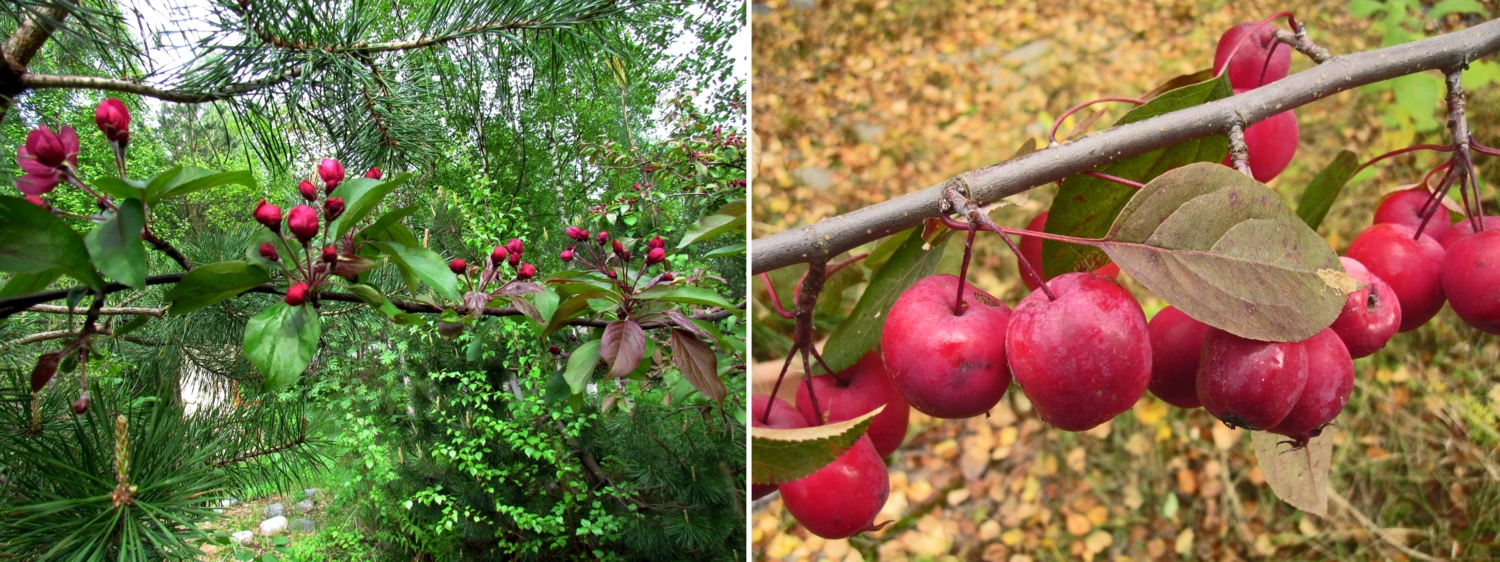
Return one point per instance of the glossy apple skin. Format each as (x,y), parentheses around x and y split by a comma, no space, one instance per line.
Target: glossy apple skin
(1371,315)
(1330,378)
(856,391)
(1176,347)
(947,366)
(1413,269)
(1404,207)
(1471,279)
(1083,358)
(1245,71)
(1031,249)
(1465,227)
(843,498)
(783,416)
(1272,144)
(1248,383)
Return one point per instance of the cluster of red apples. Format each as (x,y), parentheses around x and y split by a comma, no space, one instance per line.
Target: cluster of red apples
(1080,347)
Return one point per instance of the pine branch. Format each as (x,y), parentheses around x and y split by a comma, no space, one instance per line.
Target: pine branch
(30,81)
(263,452)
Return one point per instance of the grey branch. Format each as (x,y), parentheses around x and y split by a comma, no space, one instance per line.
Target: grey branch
(833,236)
(49,81)
(53,309)
(1239,151)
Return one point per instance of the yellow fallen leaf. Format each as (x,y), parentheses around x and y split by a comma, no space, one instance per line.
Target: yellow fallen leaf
(1098,541)
(1099,514)
(1184,542)
(1078,525)
(1012,537)
(1150,411)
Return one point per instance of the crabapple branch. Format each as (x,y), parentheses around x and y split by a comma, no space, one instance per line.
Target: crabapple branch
(1302,44)
(836,235)
(1239,150)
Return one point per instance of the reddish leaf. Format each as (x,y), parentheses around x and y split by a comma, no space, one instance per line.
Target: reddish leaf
(682,320)
(46,366)
(622,347)
(698,363)
(476,301)
(520,288)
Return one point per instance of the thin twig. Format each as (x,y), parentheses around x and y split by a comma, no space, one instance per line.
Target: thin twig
(1378,530)
(106,311)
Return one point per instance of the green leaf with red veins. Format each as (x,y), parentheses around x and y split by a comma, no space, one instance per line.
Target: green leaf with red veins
(210,283)
(1324,189)
(1299,478)
(912,260)
(698,364)
(281,341)
(1225,250)
(581,366)
(623,345)
(116,247)
(784,455)
(529,310)
(33,240)
(1085,206)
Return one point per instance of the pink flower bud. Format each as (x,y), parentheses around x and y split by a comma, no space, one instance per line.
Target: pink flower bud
(113,120)
(515,246)
(603,237)
(612,274)
(46,147)
(574,232)
(296,294)
(333,208)
(308,191)
(498,255)
(268,215)
(656,242)
(567,256)
(332,173)
(303,222)
(656,256)
(34,200)
(527,271)
(667,276)
(268,251)
(457,267)
(555,350)
(619,249)
(330,255)
(81,405)
(373,173)
(513,259)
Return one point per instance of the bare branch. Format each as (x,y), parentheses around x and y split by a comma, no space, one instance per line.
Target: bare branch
(50,81)
(836,235)
(157,312)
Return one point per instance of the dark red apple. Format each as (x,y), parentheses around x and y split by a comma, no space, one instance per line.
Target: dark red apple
(843,498)
(1330,378)
(783,416)
(856,391)
(1471,279)
(1465,227)
(1176,346)
(1413,269)
(1272,144)
(1248,383)
(1249,69)
(947,365)
(1083,358)
(1031,249)
(1405,207)
(1371,315)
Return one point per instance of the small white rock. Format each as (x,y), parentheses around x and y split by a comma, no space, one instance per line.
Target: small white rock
(242,538)
(273,526)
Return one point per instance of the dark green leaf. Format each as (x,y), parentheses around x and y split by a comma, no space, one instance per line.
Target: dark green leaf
(861,331)
(688,295)
(1085,206)
(784,455)
(281,342)
(427,265)
(1324,189)
(116,246)
(710,226)
(214,282)
(33,240)
(134,324)
(361,195)
(385,221)
(120,189)
(27,283)
(730,250)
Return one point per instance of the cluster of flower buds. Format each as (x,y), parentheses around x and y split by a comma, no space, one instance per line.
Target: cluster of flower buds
(732,140)
(304,222)
(595,257)
(656,251)
(737,184)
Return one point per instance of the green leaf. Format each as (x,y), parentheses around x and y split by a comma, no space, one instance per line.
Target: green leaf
(1300,477)
(581,366)
(861,331)
(568,310)
(623,345)
(120,189)
(214,282)
(27,283)
(1324,189)
(1365,8)
(1222,248)
(710,226)
(115,245)
(698,364)
(427,265)
(134,324)
(281,342)
(730,250)
(1085,206)
(373,297)
(183,180)
(33,240)
(689,295)
(361,195)
(784,455)
(1419,95)
(1442,9)
(385,221)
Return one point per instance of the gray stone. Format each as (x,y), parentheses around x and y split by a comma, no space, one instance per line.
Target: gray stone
(275,510)
(1029,52)
(242,538)
(869,132)
(816,178)
(303,506)
(300,524)
(759,9)
(311,492)
(804,4)
(273,526)
(227,503)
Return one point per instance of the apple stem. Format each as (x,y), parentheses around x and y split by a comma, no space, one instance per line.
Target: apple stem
(1409,149)
(953,198)
(1056,124)
(765,418)
(1115,179)
(812,395)
(963,271)
(765,278)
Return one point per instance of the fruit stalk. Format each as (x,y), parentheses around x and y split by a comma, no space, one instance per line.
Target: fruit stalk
(955,196)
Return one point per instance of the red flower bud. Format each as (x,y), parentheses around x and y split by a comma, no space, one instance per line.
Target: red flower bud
(268,215)
(308,191)
(513,259)
(373,173)
(515,246)
(330,255)
(39,202)
(333,208)
(332,173)
(113,120)
(303,222)
(498,255)
(667,276)
(567,256)
(555,350)
(527,271)
(81,405)
(296,294)
(636,187)
(457,267)
(656,256)
(619,249)
(268,251)
(612,274)
(656,242)
(603,237)
(574,232)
